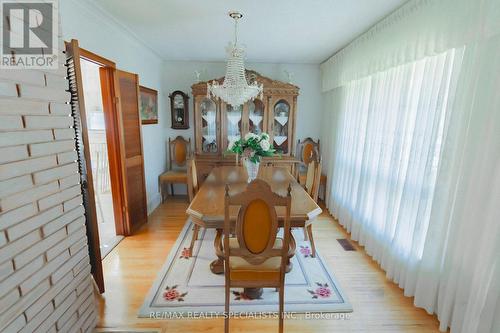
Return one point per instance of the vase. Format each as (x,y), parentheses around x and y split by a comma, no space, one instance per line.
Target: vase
(252,169)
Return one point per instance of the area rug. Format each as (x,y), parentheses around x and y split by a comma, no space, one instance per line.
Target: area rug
(185,284)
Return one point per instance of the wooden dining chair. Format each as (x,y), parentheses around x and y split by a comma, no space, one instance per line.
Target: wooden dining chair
(179,151)
(192,180)
(307,150)
(256,257)
(312,184)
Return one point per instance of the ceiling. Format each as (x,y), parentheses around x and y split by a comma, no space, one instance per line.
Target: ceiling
(277,31)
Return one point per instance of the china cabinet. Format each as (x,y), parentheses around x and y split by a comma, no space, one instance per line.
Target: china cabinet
(217,123)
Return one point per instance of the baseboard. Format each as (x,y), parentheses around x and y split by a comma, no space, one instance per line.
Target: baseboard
(154,202)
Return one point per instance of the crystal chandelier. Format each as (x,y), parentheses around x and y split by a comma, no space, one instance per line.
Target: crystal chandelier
(235,89)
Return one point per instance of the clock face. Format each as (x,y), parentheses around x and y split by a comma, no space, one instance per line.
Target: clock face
(178,102)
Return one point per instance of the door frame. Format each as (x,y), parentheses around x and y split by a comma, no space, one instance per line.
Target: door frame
(110,109)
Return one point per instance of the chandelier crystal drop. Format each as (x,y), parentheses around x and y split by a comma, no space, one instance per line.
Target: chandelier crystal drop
(235,89)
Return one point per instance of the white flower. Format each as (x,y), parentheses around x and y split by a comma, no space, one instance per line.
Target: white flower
(265,145)
(251,135)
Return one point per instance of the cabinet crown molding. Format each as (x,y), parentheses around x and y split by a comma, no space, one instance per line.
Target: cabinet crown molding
(270,86)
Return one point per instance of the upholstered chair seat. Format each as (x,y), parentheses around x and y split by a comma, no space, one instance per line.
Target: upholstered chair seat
(242,270)
(174,176)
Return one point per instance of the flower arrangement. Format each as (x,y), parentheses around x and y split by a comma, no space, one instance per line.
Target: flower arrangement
(252,147)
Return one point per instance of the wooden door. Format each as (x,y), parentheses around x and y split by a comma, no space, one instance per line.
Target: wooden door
(132,155)
(82,144)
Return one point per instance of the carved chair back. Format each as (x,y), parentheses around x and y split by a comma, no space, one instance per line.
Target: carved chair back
(179,151)
(257,223)
(308,150)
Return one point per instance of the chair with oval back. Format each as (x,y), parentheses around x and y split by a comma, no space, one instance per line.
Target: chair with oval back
(179,151)
(312,184)
(256,257)
(308,150)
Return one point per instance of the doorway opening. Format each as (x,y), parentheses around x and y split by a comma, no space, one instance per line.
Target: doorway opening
(110,154)
(98,132)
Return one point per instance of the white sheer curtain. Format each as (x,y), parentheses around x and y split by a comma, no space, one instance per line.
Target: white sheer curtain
(414,159)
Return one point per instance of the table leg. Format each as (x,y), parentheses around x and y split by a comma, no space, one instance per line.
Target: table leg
(217,266)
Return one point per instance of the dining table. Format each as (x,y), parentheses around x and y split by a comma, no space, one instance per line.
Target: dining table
(207,207)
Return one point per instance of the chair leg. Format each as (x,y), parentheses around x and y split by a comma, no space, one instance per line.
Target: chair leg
(226,309)
(305,234)
(311,240)
(281,310)
(194,238)
(172,189)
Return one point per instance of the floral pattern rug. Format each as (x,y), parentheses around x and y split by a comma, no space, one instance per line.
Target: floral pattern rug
(186,285)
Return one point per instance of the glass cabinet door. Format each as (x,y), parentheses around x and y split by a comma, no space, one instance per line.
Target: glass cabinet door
(233,122)
(208,111)
(281,126)
(255,116)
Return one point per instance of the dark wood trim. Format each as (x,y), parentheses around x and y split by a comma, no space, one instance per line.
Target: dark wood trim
(95,58)
(149,90)
(149,121)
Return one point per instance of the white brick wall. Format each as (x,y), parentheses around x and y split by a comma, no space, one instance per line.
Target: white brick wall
(45,283)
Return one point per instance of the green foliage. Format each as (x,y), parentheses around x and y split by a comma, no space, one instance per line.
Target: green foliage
(252,146)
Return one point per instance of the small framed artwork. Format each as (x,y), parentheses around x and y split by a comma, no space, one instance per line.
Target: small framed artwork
(149,105)
(179,109)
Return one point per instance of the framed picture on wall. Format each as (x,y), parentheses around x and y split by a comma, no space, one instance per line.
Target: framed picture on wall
(148,105)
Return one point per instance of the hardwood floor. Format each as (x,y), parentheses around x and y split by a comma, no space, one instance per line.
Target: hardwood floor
(131,268)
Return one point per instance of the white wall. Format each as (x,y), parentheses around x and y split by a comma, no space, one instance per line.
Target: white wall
(99,33)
